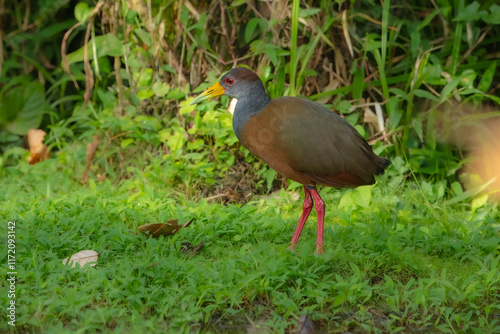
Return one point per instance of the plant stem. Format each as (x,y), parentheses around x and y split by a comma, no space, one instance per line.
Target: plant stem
(293,50)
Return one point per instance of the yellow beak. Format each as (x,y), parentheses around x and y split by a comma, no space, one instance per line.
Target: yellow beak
(215,90)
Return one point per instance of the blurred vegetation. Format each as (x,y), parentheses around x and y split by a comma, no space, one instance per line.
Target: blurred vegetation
(123,70)
(408,75)
(111,81)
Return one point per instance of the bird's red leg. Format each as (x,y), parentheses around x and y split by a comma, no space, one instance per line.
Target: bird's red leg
(306,210)
(320,209)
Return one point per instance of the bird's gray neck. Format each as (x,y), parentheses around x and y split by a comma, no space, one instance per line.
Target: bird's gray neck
(247,107)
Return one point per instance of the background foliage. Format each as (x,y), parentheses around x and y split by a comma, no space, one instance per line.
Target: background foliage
(418,79)
(402,73)
(127,68)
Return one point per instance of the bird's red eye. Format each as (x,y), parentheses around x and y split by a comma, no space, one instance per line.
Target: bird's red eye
(229,81)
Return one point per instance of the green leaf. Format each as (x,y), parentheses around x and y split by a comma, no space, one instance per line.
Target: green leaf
(344,107)
(237,3)
(160,88)
(415,43)
(445,93)
(357,83)
(494,16)
(417,126)
(176,141)
(148,122)
(470,13)
(399,92)
(269,176)
(487,77)
(456,187)
(396,114)
(23,108)
(339,299)
(306,12)
(250,28)
(363,196)
(425,94)
(186,108)
(361,130)
(145,94)
(126,142)
(479,201)
(395,118)
(106,45)
(82,12)
(346,201)
(144,36)
(392,304)
(144,78)
(468,76)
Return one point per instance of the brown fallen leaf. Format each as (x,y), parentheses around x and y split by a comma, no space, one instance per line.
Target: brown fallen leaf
(39,152)
(83,257)
(171,227)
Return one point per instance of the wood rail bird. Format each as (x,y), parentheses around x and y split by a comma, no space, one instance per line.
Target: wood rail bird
(299,139)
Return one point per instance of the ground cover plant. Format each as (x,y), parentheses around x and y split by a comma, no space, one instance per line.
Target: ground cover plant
(394,263)
(111,83)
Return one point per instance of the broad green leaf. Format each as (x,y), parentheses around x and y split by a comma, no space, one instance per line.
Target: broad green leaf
(456,187)
(344,107)
(479,201)
(145,94)
(144,78)
(392,304)
(346,201)
(468,77)
(164,134)
(82,12)
(148,122)
(470,13)
(126,142)
(106,45)
(185,108)
(494,16)
(160,88)
(23,108)
(176,141)
(339,299)
(362,196)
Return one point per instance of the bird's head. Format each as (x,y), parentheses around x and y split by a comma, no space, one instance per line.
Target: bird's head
(238,83)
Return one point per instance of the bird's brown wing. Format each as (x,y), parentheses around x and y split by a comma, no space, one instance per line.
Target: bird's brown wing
(308,143)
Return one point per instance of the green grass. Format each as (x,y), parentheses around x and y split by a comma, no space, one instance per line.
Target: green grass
(403,263)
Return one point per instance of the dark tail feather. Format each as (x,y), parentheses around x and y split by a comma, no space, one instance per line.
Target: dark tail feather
(382,164)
